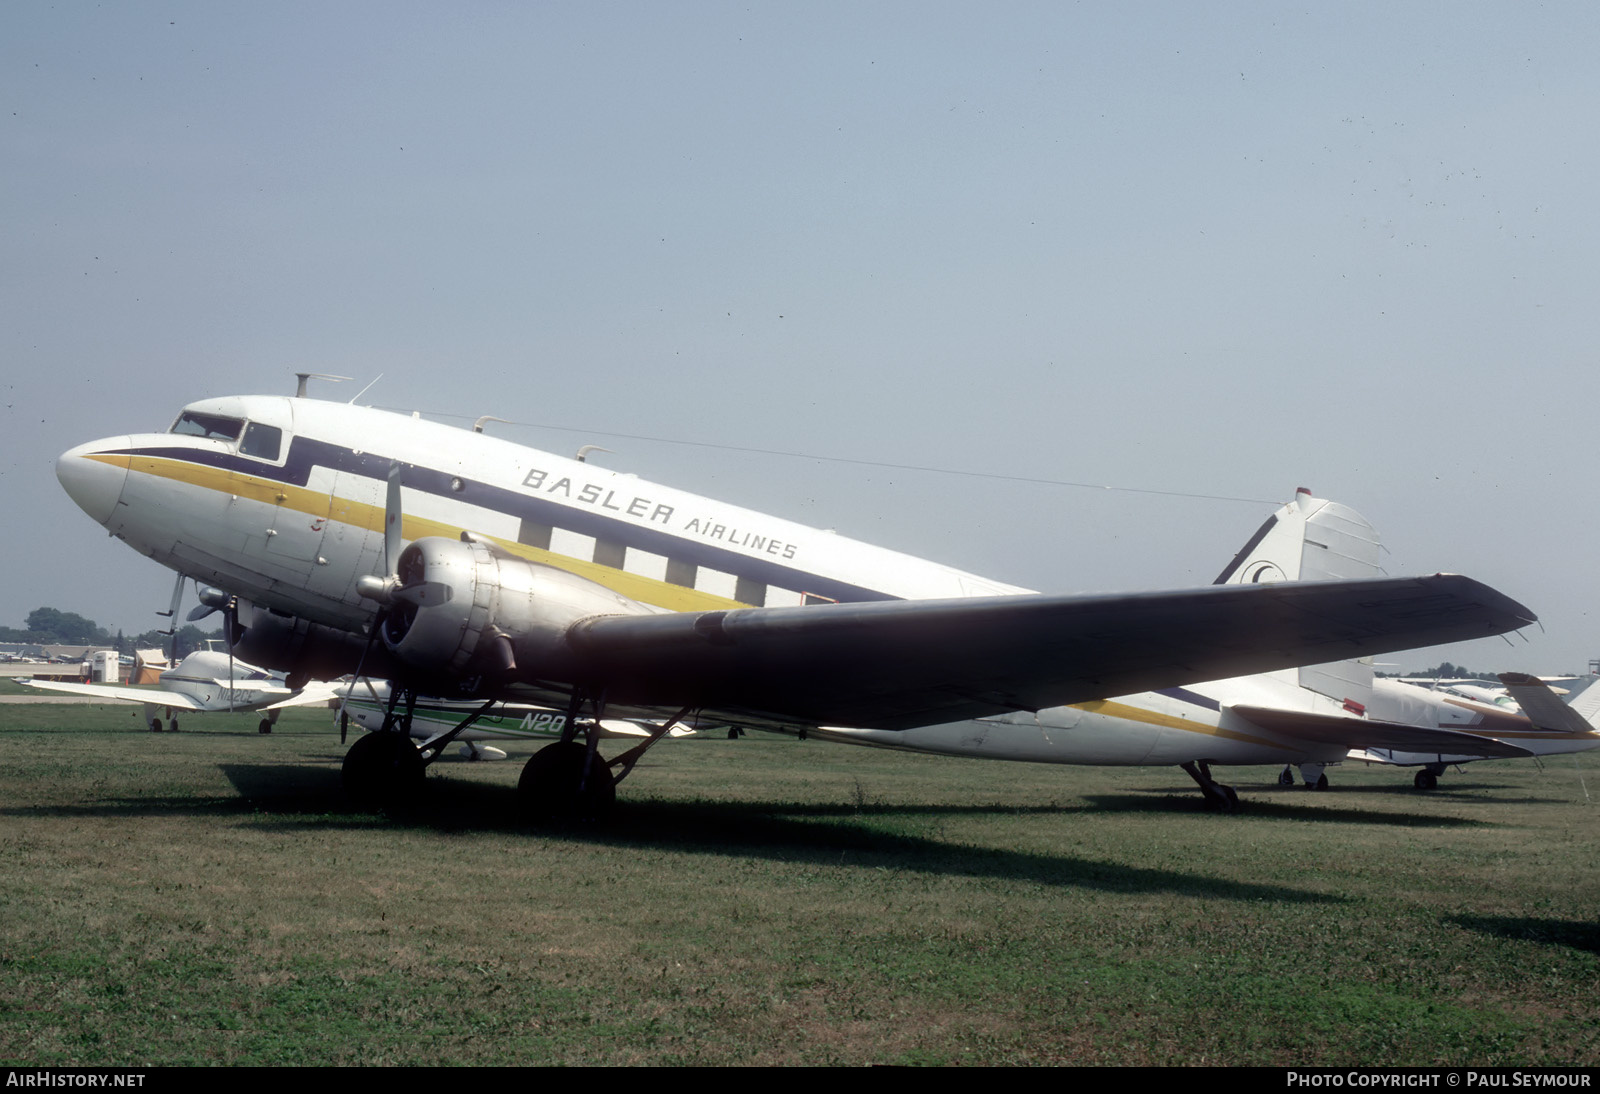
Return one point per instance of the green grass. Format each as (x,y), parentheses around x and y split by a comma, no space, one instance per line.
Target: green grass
(209,897)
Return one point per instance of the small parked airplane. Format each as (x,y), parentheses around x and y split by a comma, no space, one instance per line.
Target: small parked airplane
(205,682)
(1310,717)
(1552,721)
(533,578)
(367,704)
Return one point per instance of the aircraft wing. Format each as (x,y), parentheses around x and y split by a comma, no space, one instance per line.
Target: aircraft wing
(310,695)
(899,664)
(1363,733)
(155,696)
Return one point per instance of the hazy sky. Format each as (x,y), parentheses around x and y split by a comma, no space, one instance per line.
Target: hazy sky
(1220,250)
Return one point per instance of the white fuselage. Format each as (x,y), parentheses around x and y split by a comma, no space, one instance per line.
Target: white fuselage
(283,504)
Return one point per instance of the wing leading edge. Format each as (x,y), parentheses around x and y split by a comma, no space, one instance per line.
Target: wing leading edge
(900,664)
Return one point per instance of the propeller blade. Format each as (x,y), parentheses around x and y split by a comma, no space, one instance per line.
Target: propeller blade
(392,522)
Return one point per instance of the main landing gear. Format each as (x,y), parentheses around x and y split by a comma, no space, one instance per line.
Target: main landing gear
(1428,777)
(384,769)
(570,780)
(1222,799)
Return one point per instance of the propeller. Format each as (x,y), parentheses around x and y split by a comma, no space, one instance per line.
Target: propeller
(394,588)
(172,616)
(383,589)
(212,600)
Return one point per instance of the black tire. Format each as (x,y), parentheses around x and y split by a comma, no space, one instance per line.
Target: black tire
(155,725)
(1425,780)
(264,727)
(1322,782)
(548,788)
(383,769)
(1286,777)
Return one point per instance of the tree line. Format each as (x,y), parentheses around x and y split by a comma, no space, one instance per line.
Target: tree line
(53,627)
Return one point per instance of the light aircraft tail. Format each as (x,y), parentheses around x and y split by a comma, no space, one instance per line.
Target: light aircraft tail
(1579,713)
(1311,539)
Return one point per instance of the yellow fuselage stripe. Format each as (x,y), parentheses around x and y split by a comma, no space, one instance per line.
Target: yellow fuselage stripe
(370,518)
(1112,709)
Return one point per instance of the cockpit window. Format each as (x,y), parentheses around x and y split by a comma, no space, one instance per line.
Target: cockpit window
(262,441)
(214,426)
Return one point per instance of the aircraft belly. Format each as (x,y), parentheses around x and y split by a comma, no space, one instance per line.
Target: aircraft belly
(1079,736)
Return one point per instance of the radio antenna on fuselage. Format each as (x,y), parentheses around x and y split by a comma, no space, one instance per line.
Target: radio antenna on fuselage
(303,377)
(364,390)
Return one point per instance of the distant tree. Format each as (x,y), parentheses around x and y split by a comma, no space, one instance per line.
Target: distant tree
(66,628)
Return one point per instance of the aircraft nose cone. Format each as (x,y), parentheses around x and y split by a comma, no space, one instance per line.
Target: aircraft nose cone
(92,477)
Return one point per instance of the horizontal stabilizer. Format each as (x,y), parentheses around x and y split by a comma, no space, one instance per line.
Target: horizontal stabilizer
(1546,710)
(1363,733)
(899,664)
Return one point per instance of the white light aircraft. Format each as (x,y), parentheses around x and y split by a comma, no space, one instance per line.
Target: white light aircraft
(533,578)
(367,703)
(205,682)
(1310,717)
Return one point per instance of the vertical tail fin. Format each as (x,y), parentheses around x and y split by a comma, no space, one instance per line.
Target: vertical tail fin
(1310,539)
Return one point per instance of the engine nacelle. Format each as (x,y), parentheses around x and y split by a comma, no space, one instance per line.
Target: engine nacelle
(305,649)
(466,607)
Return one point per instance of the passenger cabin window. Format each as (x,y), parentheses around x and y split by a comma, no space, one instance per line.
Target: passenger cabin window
(214,426)
(262,441)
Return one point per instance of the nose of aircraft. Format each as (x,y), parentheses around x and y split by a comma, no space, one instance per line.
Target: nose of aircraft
(92,479)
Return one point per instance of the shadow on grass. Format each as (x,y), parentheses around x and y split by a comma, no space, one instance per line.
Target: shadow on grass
(1175,800)
(303,797)
(857,836)
(1549,932)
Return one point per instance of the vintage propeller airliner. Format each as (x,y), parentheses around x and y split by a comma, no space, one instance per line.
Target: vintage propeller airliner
(343,539)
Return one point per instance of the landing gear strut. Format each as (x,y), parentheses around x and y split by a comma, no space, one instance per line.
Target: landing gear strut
(1223,799)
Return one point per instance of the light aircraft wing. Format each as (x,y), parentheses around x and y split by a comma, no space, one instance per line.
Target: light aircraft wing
(310,695)
(1363,733)
(900,664)
(155,696)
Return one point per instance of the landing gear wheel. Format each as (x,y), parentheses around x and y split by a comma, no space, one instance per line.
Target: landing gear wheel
(172,727)
(155,725)
(1321,783)
(1425,780)
(549,786)
(264,727)
(383,769)
(1286,776)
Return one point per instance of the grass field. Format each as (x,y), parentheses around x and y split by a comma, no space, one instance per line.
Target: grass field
(208,897)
